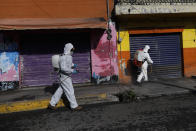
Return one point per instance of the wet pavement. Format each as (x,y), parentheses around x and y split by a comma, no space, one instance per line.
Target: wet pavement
(166,113)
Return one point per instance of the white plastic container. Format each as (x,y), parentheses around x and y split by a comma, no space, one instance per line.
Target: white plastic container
(55,61)
(139,55)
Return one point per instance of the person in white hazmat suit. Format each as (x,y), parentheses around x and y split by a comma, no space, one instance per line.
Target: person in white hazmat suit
(145,59)
(66,68)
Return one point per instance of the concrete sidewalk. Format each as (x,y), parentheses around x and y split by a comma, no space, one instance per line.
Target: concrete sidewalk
(38,98)
(163,87)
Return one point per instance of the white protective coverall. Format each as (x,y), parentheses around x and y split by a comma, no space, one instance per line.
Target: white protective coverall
(146,59)
(65,64)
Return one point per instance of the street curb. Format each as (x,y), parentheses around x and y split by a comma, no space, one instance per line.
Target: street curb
(178,86)
(30,105)
(43,103)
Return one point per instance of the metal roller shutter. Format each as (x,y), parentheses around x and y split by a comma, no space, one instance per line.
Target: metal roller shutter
(36,53)
(83,64)
(165,52)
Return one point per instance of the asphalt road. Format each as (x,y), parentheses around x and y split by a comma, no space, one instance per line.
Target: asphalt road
(168,113)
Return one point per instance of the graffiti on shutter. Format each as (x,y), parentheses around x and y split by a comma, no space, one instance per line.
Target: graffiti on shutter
(9,64)
(104,56)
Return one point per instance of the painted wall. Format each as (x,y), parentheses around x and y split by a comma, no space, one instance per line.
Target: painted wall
(104,56)
(189,51)
(124,57)
(167,24)
(9,63)
(127,72)
(122,9)
(9,66)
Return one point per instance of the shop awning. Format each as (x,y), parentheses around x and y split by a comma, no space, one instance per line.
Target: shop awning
(53,14)
(51,23)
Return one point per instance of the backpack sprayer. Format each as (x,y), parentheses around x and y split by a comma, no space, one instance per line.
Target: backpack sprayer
(55,62)
(139,60)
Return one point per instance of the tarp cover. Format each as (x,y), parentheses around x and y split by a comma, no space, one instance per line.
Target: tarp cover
(38,14)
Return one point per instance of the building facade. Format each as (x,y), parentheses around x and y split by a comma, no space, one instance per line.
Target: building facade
(167,26)
(31,32)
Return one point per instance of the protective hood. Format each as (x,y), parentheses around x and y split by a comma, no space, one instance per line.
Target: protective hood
(146,48)
(67,48)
